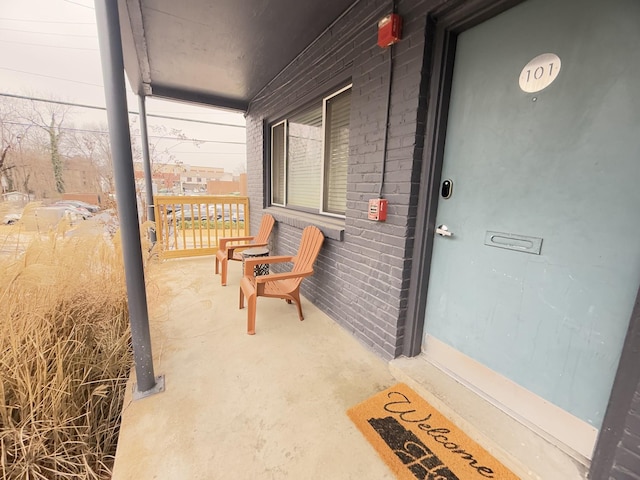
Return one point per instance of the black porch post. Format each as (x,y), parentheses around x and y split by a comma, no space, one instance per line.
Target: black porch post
(118,121)
(146,162)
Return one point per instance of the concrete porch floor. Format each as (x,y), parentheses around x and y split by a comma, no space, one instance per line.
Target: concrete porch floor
(273,405)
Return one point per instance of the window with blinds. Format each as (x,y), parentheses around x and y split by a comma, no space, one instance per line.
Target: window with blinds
(304,159)
(309,155)
(336,152)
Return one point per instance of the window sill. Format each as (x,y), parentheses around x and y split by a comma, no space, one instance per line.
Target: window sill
(331,227)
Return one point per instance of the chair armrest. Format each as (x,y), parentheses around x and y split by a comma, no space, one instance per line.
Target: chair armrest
(222,242)
(272,277)
(252,262)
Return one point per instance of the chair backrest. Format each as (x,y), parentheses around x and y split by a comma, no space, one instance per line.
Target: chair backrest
(266,225)
(309,249)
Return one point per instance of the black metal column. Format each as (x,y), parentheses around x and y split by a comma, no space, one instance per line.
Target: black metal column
(118,121)
(146,162)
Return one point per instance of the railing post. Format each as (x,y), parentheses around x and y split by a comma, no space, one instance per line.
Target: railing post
(118,121)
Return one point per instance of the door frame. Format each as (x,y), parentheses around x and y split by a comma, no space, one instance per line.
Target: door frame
(443,26)
(625,384)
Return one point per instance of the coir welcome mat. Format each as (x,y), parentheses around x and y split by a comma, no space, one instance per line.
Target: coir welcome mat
(416,441)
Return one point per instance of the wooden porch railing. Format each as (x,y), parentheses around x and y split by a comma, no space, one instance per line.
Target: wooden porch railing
(191,226)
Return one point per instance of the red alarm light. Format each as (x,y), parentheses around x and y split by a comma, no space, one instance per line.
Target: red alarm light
(389,30)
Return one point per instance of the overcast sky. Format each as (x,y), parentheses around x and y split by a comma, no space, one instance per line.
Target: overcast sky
(49,49)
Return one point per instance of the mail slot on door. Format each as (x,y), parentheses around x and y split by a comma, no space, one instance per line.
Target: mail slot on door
(511,241)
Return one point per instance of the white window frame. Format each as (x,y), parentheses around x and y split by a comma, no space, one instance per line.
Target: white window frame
(285,122)
(286,144)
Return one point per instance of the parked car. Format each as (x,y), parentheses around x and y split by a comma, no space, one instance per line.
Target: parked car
(171,207)
(189,212)
(79,204)
(231,213)
(11,218)
(75,213)
(52,214)
(237,213)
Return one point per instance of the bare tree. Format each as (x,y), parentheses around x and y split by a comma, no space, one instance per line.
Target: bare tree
(42,153)
(92,143)
(159,135)
(50,118)
(162,141)
(13,131)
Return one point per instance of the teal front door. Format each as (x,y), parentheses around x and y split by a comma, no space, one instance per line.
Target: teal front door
(542,155)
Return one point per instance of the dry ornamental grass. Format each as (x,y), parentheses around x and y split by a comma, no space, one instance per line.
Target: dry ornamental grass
(65,357)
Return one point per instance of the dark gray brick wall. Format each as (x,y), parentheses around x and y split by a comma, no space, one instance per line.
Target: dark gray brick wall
(626,463)
(362,280)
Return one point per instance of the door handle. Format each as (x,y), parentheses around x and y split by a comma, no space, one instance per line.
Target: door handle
(443,231)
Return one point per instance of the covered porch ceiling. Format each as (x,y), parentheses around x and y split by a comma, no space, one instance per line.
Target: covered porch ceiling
(219,53)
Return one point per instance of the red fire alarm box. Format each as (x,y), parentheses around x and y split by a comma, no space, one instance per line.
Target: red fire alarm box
(389,30)
(378,209)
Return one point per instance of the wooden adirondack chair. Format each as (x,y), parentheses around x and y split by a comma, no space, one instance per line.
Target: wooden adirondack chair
(280,285)
(229,249)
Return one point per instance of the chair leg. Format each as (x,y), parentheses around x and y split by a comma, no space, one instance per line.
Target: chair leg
(251,314)
(223,275)
(217,264)
(241,305)
(296,298)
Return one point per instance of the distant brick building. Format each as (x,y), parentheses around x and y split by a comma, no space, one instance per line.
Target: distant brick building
(32,173)
(182,178)
(237,186)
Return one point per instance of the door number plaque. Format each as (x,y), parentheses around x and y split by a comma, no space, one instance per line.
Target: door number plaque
(540,72)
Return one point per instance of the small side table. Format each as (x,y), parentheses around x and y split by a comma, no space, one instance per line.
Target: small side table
(260,269)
